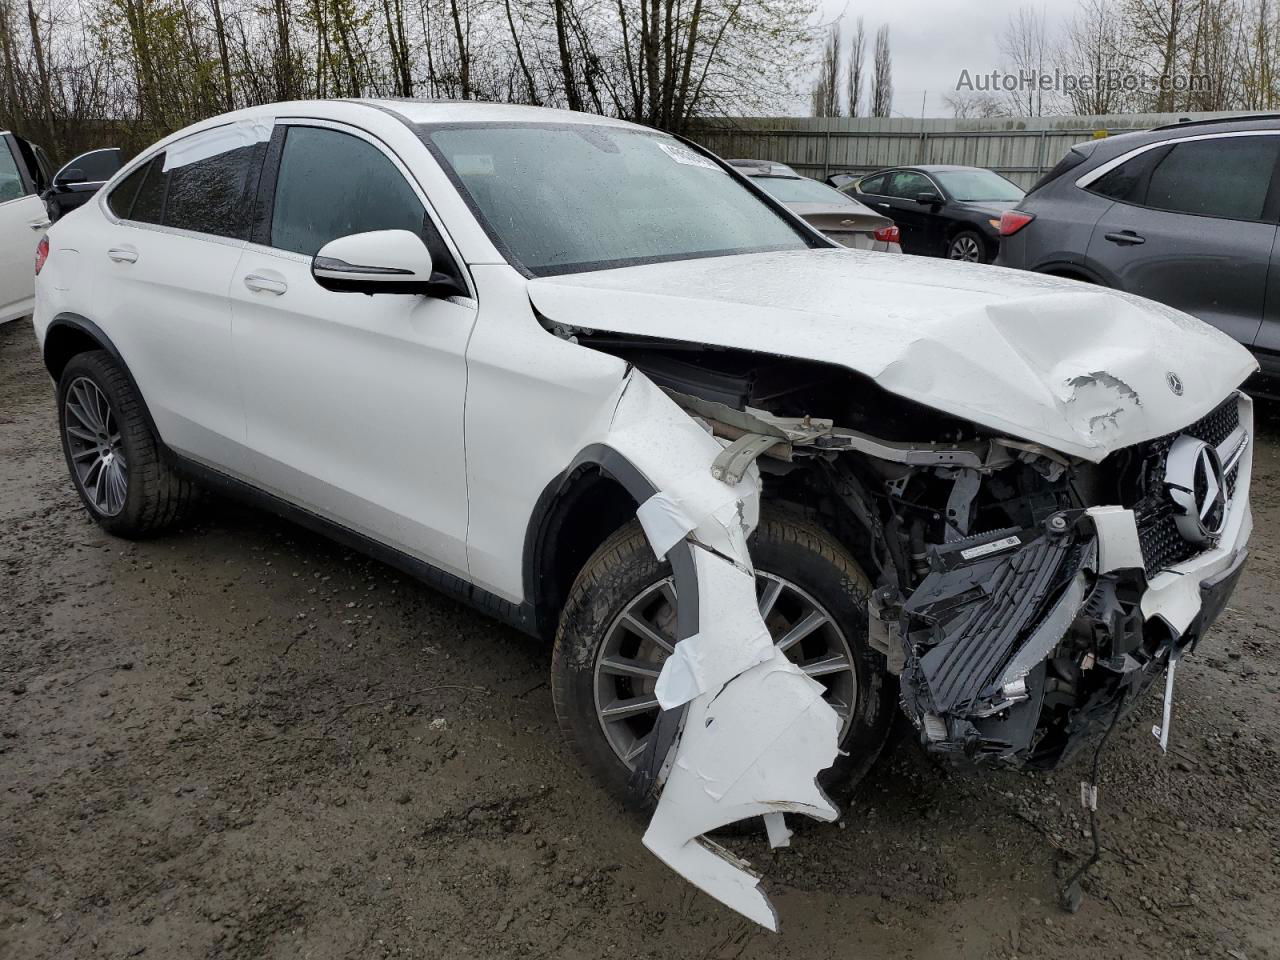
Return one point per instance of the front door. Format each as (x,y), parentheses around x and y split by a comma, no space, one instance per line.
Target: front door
(353,403)
(22,223)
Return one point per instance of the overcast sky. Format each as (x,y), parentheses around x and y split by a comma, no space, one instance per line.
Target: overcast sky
(933,40)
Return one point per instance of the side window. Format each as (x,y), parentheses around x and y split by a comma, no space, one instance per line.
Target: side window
(120,200)
(96,165)
(11,185)
(908,185)
(1226,177)
(148,205)
(1128,182)
(332,184)
(208,195)
(873,184)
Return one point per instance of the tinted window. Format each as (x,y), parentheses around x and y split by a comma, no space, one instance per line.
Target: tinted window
(559,198)
(1226,177)
(148,205)
(120,200)
(96,165)
(11,187)
(907,185)
(208,196)
(872,184)
(331,185)
(1128,182)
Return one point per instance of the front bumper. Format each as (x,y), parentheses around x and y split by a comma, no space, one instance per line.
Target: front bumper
(1019,643)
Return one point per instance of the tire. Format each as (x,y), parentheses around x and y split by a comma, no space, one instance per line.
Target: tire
(134,493)
(968,246)
(624,568)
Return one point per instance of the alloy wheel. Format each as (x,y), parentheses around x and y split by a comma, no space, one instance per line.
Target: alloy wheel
(641,638)
(95,446)
(965,248)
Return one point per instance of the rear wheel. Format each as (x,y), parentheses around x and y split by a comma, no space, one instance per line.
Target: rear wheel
(618,627)
(115,461)
(969,247)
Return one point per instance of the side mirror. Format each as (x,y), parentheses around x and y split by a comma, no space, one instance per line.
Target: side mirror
(68,177)
(928,198)
(382,261)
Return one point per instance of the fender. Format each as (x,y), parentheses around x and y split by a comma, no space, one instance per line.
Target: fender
(83,328)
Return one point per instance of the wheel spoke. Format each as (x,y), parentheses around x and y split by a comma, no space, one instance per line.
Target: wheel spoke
(621,709)
(647,632)
(624,667)
(814,620)
(637,748)
(769,596)
(825,666)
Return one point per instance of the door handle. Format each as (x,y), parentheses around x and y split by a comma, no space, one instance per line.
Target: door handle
(260,284)
(37,224)
(1125,238)
(123,255)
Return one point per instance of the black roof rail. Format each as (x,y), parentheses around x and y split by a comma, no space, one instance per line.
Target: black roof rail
(1200,123)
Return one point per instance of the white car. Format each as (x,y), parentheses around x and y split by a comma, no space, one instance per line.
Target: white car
(759,488)
(23,219)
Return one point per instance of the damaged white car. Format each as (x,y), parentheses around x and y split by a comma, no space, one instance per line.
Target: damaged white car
(762,490)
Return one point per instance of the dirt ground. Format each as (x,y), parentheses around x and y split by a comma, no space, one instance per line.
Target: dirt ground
(243,741)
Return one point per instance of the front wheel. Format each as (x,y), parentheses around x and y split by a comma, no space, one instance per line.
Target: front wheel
(116,463)
(618,626)
(969,247)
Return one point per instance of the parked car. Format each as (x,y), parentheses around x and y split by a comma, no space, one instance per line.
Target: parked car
(24,172)
(836,214)
(1185,214)
(81,178)
(761,490)
(942,210)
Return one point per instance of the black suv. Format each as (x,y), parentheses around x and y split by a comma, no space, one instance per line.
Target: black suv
(1184,214)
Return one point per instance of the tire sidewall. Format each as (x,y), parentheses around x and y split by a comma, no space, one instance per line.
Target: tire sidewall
(983,254)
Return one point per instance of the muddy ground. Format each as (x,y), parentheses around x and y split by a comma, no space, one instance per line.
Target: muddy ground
(243,741)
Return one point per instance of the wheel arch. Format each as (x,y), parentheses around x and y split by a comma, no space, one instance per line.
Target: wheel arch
(576,512)
(69,334)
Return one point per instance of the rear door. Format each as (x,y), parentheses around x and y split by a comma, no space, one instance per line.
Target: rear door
(88,172)
(894,194)
(22,223)
(1193,226)
(163,262)
(354,403)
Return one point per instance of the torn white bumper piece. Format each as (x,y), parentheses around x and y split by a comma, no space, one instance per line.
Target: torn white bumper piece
(757,731)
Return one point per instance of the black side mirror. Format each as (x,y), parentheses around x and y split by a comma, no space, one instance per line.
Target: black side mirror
(928,198)
(68,177)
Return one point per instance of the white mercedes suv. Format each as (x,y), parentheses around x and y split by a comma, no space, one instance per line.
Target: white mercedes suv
(762,490)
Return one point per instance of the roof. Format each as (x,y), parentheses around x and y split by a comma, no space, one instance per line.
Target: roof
(477,111)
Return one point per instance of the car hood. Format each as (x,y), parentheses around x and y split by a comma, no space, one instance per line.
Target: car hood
(1080,369)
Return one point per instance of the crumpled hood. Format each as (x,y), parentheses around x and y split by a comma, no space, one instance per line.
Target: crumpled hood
(1081,369)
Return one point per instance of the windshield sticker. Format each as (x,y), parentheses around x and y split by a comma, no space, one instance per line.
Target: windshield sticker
(684,155)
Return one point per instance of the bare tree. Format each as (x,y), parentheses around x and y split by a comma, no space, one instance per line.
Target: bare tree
(1092,53)
(826,88)
(967,104)
(882,75)
(1026,47)
(857,62)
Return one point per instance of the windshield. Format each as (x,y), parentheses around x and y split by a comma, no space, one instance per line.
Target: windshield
(978,185)
(561,198)
(801,190)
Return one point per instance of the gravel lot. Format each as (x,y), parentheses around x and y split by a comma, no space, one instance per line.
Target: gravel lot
(243,741)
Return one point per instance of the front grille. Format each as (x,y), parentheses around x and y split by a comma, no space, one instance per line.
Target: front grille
(1162,544)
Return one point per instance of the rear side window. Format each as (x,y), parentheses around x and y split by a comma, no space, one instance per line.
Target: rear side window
(1226,178)
(120,200)
(872,184)
(208,195)
(1128,182)
(148,205)
(331,185)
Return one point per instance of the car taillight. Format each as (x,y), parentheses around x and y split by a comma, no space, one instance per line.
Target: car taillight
(888,234)
(42,253)
(1011,221)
